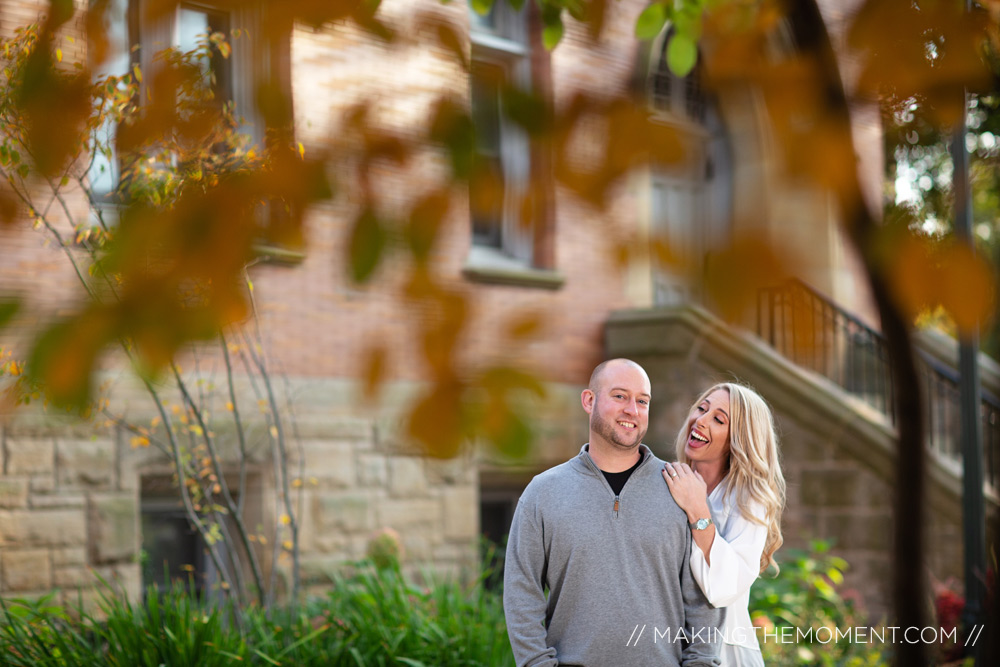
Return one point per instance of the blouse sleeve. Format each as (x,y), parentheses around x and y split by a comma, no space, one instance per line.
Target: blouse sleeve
(735,559)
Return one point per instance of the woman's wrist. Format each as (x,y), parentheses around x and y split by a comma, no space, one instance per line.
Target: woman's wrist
(699,512)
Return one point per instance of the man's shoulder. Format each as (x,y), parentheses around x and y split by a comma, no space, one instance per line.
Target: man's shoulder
(555,477)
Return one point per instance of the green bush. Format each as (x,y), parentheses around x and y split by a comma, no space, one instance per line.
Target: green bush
(805,597)
(373,617)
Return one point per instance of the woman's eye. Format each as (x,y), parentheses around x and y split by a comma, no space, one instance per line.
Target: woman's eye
(719,420)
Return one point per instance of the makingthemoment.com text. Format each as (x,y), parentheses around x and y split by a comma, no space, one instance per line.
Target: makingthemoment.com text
(821,635)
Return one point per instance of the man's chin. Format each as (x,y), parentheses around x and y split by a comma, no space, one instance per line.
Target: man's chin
(628,445)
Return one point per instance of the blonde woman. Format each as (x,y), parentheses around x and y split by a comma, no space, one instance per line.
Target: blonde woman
(728,480)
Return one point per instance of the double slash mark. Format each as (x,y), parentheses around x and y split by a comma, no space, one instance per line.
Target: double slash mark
(636,642)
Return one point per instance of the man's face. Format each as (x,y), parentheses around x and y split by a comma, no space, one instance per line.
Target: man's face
(619,414)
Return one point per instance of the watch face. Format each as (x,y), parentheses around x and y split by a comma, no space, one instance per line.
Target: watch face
(702,524)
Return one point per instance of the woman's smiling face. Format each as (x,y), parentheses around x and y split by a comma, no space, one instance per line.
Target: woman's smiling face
(708,429)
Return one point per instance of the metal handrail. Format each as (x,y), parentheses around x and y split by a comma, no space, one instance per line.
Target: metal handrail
(815,333)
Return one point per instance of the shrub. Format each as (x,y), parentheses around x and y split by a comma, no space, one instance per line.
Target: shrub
(805,596)
(373,617)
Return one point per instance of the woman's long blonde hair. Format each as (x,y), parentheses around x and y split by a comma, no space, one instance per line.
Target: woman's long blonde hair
(754,465)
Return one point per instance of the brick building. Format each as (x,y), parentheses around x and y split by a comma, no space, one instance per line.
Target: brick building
(72,503)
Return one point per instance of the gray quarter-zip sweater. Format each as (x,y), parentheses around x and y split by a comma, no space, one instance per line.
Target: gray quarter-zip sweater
(620,590)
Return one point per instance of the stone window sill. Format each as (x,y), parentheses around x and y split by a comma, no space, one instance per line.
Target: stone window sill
(487,265)
(273,254)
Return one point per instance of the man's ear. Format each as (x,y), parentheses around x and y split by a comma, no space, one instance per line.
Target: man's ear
(587,398)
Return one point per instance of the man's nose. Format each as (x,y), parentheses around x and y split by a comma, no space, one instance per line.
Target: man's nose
(631,406)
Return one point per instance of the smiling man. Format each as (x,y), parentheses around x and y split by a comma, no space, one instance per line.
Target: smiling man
(603,536)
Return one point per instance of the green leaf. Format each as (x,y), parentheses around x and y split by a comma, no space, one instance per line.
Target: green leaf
(482,7)
(552,33)
(651,21)
(367,242)
(682,53)
(8,309)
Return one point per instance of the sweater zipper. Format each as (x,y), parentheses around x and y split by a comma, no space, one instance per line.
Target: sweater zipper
(616,507)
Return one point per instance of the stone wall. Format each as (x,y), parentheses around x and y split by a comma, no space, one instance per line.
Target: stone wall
(67,519)
(71,502)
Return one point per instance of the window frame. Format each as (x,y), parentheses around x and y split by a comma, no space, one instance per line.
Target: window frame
(518,254)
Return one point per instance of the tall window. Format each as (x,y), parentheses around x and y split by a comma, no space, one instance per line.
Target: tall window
(691,203)
(103,172)
(138,30)
(500,54)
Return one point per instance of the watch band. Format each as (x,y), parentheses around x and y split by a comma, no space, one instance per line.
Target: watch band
(701,524)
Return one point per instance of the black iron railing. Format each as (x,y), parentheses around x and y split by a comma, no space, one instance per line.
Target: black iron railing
(815,333)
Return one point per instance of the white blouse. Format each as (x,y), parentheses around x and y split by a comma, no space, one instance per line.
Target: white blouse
(735,556)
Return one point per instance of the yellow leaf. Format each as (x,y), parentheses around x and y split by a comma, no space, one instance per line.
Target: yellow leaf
(274,431)
(59,55)
(287,544)
(229,406)
(296,483)
(302,150)
(967,287)
(140,441)
(285,520)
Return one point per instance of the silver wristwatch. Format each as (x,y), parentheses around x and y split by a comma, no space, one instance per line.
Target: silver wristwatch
(700,524)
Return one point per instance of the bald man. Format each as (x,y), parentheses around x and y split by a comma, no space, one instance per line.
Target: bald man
(597,571)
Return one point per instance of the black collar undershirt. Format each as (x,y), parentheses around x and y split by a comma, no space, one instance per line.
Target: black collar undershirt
(617,479)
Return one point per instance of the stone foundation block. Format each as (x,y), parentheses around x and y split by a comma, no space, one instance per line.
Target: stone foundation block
(13,493)
(403,514)
(341,513)
(30,457)
(56,528)
(114,528)
(332,463)
(372,470)
(26,570)
(85,464)
(406,477)
(65,557)
(461,512)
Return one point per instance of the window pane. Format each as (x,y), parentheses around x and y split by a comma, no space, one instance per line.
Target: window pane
(190,24)
(487,23)
(193,24)
(169,543)
(487,200)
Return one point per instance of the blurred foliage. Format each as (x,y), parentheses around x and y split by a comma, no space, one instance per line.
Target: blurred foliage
(162,261)
(919,167)
(194,196)
(374,616)
(807,594)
